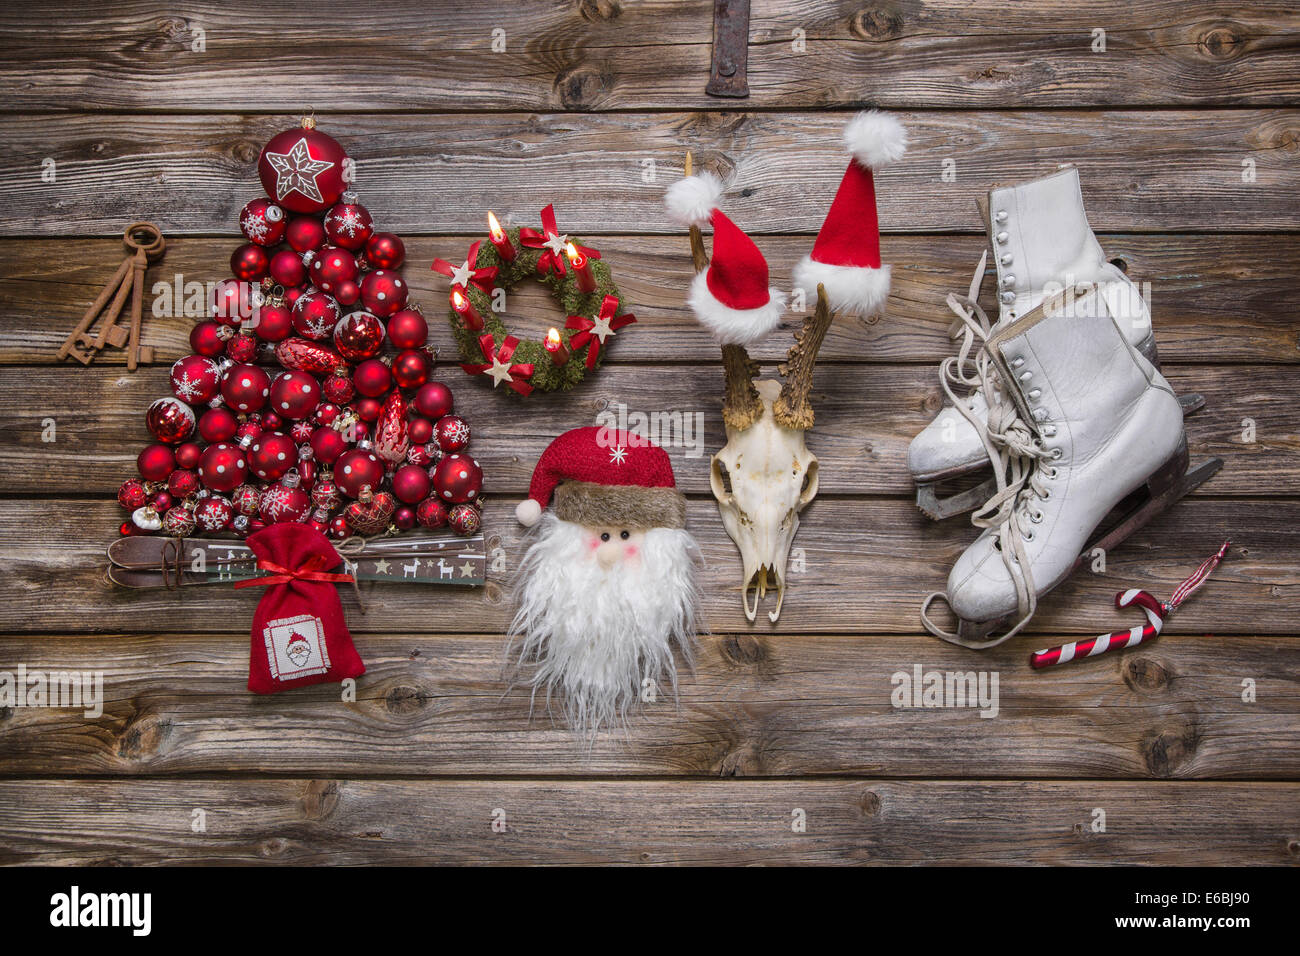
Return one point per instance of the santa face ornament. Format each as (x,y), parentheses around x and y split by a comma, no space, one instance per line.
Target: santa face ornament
(606,594)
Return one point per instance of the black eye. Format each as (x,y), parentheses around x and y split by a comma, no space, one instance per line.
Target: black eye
(625,535)
(604,536)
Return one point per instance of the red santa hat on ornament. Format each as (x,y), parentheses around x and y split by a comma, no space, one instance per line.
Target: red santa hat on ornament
(602,476)
(845,259)
(731,297)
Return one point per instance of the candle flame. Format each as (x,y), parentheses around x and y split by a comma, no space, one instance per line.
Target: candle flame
(457,299)
(572,252)
(494,227)
(553,337)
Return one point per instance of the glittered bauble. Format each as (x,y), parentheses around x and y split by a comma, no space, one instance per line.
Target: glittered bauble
(315,314)
(156,462)
(223,467)
(332,266)
(232,301)
(274,322)
(452,432)
(383,292)
(170,420)
(182,483)
(187,454)
(213,513)
(303,169)
(242,348)
(245,387)
(431,513)
(286,267)
(218,424)
(327,444)
(411,484)
(390,439)
(338,387)
(372,378)
(370,513)
(178,521)
(419,431)
(131,494)
(307,356)
(294,394)
(464,519)
(249,262)
(411,368)
(206,338)
(358,336)
(325,493)
(284,501)
(348,224)
(271,456)
(457,478)
(358,468)
(433,400)
(245,499)
(385,251)
(262,221)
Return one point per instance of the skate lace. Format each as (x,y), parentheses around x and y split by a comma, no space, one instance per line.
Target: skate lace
(961,370)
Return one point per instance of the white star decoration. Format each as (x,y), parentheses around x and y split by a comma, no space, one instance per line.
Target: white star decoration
(297,171)
(500,372)
(556,244)
(601,330)
(617,455)
(462,274)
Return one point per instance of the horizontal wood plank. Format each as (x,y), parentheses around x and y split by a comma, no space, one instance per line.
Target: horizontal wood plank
(192,174)
(754,706)
(1197,286)
(332,821)
(605,54)
(867,565)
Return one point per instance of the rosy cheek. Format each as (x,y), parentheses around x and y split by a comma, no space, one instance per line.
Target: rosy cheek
(593,543)
(631,551)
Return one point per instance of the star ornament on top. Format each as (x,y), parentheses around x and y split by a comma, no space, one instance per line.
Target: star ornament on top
(296,171)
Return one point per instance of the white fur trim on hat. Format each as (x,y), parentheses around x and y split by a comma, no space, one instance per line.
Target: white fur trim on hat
(854,290)
(734,326)
(691,201)
(529,512)
(875,139)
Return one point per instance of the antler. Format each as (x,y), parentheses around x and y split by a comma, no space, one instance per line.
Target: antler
(792,409)
(741,406)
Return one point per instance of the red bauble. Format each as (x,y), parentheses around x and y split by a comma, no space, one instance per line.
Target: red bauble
(431,513)
(339,527)
(359,335)
(223,467)
(367,410)
(411,484)
(218,424)
(242,348)
(390,428)
(178,521)
(287,269)
(271,455)
(325,493)
(326,412)
(349,224)
(419,431)
(213,513)
(411,368)
(274,322)
(385,251)
(358,468)
(156,462)
(182,483)
(245,387)
(249,262)
(424,455)
(331,267)
(291,296)
(452,432)
(407,329)
(307,356)
(338,387)
(383,292)
(327,444)
(194,379)
(187,455)
(161,501)
(458,478)
(372,378)
(301,431)
(464,519)
(284,501)
(232,301)
(347,292)
(371,513)
(305,234)
(433,400)
(294,395)
(262,222)
(404,518)
(272,422)
(206,338)
(315,314)
(245,500)
(170,420)
(131,494)
(302,169)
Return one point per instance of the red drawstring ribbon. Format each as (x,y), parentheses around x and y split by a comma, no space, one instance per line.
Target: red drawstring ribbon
(312,570)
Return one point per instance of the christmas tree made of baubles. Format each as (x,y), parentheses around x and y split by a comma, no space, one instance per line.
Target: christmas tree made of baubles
(309,395)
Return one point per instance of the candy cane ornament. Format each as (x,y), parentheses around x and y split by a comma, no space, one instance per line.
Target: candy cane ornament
(1156,612)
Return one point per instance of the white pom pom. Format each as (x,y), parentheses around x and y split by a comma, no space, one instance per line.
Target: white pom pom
(691,201)
(529,512)
(875,138)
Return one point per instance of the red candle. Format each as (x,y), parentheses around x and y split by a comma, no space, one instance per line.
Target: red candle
(465,309)
(581,269)
(505,248)
(557,350)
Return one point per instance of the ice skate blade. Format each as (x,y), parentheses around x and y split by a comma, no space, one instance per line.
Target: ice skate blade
(939,509)
(1191,403)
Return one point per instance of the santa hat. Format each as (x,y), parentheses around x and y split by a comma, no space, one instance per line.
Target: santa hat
(604,476)
(846,256)
(692,199)
(732,296)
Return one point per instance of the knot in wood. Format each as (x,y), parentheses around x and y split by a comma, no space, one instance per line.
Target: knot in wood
(876,23)
(1167,751)
(320,799)
(745,650)
(870,803)
(1221,42)
(404,699)
(579,87)
(595,10)
(1146,675)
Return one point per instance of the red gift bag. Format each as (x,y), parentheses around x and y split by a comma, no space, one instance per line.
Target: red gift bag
(299,636)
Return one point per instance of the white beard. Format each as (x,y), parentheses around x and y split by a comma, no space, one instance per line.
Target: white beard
(593,636)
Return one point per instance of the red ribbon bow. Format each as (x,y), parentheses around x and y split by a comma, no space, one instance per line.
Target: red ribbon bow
(482,277)
(514,374)
(313,569)
(589,333)
(552,259)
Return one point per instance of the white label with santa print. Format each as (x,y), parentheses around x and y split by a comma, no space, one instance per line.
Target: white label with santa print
(295,647)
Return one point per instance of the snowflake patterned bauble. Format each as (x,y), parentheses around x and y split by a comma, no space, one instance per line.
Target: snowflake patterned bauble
(303,169)
(195,379)
(214,513)
(315,314)
(284,501)
(452,433)
(349,224)
(458,478)
(262,222)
